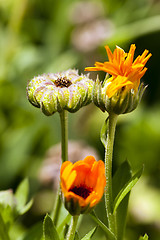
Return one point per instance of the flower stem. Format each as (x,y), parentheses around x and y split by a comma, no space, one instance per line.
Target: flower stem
(64,156)
(112,120)
(72,228)
(64,135)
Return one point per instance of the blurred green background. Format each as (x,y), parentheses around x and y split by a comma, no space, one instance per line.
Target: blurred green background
(39,36)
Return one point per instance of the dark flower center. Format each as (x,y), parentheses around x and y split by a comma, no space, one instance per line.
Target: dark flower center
(82,191)
(62,82)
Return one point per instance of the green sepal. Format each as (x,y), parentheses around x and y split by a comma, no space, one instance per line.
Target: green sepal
(122,175)
(126,189)
(145,237)
(123,101)
(74,208)
(89,234)
(49,230)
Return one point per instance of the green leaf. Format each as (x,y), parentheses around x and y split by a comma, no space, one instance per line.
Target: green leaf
(3,230)
(126,189)
(89,235)
(103,134)
(108,233)
(26,207)
(21,194)
(145,237)
(121,177)
(49,230)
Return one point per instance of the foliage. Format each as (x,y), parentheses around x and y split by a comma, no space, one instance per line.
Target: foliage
(41,36)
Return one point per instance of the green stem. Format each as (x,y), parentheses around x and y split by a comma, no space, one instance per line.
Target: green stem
(64,135)
(64,156)
(72,228)
(112,120)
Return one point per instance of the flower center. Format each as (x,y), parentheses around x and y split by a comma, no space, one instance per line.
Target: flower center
(62,82)
(82,191)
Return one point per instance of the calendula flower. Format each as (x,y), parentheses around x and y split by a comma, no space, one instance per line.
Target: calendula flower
(125,72)
(82,184)
(123,86)
(55,92)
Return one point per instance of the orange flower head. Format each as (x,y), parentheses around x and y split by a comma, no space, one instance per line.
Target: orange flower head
(82,184)
(125,73)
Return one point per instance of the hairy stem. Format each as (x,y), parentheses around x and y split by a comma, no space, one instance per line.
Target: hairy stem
(72,228)
(108,166)
(64,156)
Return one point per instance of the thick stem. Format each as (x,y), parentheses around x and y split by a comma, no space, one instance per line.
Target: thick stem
(64,156)
(72,228)
(108,166)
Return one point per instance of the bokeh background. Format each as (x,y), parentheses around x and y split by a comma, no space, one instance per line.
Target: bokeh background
(53,35)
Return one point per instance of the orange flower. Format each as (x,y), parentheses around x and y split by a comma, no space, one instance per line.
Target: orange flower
(82,184)
(125,73)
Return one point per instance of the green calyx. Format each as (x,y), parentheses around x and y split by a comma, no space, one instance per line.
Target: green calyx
(60,91)
(74,208)
(124,101)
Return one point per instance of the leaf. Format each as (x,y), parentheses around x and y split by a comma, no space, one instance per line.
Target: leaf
(63,223)
(3,230)
(26,207)
(126,189)
(145,237)
(49,230)
(108,233)
(122,175)
(21,194)
(89,234)
(103,134)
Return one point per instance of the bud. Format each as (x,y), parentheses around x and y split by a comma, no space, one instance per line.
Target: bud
(60,91)
(121,92)
(123,101)
(82,184)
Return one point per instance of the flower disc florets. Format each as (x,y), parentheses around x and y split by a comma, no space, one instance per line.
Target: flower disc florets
(55,92)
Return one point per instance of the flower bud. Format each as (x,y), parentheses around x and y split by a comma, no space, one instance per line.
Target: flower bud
(123,101)
(60,91)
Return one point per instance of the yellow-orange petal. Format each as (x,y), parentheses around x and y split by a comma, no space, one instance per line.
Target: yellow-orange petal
(118,83)
(84,185)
